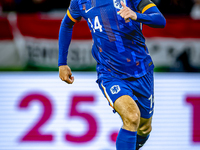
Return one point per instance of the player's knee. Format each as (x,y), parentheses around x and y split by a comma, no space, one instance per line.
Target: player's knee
(144,130)
(132,120)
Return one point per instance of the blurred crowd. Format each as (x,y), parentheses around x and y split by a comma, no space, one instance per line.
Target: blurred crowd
(29,6)
(169,7)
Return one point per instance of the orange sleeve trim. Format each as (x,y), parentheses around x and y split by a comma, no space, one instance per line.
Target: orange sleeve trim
(70,16)
(147,7)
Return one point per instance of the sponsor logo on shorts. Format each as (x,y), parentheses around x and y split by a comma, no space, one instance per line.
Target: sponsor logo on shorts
(115,89)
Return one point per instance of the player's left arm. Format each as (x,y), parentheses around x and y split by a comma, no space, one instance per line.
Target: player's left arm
(150,15)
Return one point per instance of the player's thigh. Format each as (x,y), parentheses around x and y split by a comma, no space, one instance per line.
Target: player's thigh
(144,127)
(127,108)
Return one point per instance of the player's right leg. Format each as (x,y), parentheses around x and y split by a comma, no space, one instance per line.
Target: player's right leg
(122,100)
(128,110)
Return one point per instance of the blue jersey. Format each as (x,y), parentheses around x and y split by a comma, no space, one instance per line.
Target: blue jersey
(119,47)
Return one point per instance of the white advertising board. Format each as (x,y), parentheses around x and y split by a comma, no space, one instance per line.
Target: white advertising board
(40,112)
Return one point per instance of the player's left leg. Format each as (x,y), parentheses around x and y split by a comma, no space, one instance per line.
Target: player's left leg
(143,132)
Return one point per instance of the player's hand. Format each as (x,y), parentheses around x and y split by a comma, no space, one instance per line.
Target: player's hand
(127,13)
(65,74)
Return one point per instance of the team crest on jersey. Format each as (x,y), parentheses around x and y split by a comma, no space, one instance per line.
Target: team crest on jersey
(117,3)
(115,89)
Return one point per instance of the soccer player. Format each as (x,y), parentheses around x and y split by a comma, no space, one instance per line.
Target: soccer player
(124,66)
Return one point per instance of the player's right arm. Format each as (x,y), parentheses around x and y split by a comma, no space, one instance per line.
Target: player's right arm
(65,35)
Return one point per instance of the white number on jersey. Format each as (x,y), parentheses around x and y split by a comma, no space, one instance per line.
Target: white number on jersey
(97,25)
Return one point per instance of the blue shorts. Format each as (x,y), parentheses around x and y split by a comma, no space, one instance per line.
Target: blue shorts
(140,89)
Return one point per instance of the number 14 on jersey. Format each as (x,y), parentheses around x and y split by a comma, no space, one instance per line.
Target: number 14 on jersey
(96,24)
